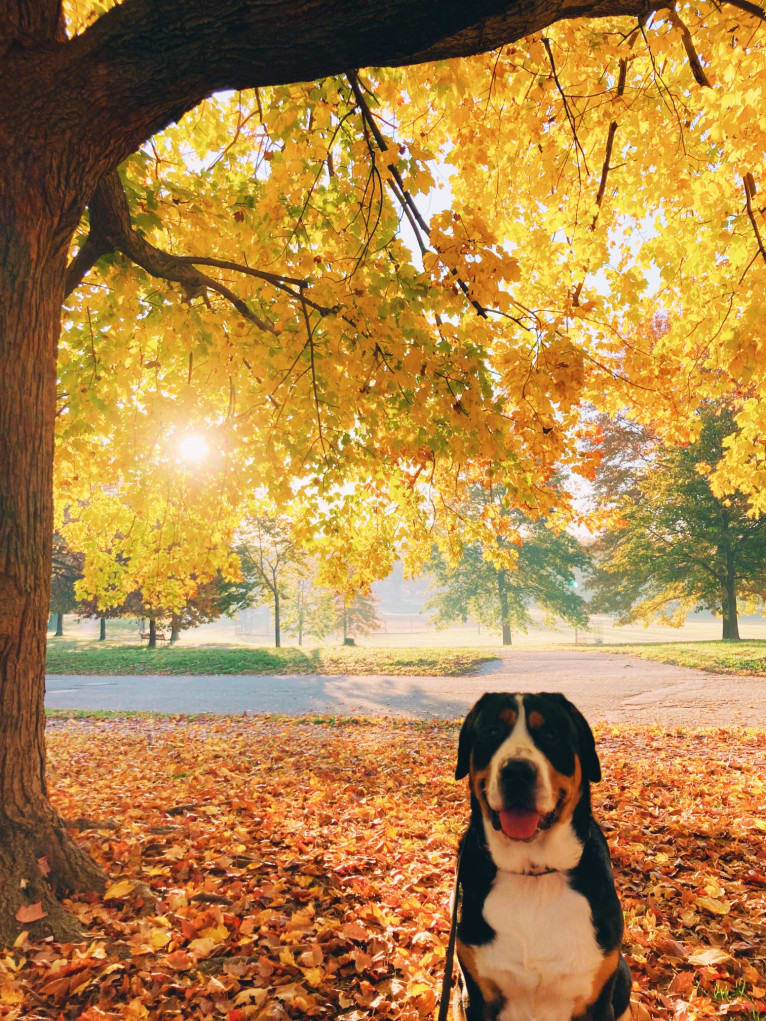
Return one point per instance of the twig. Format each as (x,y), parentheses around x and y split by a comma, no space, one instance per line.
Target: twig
(749,183)
(407,203)
(310,343)
(604,169)
(570,118)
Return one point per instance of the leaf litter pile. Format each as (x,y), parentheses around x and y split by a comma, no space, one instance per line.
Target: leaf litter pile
(270,869)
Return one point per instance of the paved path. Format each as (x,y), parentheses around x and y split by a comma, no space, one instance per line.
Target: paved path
(611,688)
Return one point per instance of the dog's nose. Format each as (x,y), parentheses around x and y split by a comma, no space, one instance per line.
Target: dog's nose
(518,779)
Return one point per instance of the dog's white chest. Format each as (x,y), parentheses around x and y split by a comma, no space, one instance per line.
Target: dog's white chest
(544,958)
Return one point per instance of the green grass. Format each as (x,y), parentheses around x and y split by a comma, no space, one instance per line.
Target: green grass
(744,657)
(78,657)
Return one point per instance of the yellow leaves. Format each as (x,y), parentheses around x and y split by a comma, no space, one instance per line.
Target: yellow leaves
(398,377)
(709,957)
(122,888)
(714,905)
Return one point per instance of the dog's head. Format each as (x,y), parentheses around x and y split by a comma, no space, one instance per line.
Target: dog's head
(530,759)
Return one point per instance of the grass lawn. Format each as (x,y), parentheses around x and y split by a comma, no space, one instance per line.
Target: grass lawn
(744,657)
(79,657)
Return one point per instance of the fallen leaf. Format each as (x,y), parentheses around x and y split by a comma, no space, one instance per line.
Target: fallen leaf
(31,913)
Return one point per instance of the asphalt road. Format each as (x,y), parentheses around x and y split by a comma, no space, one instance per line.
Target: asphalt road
(606,687)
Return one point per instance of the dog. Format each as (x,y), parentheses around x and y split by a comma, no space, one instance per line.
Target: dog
(539,922)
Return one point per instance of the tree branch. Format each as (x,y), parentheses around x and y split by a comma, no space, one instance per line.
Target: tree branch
(403,196)
(605,168)
(570,118)
(694,61)
(111,230)
(144,63)
(751,8)
(749,183)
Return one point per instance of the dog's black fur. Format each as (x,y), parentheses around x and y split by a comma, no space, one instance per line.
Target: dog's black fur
(534,734)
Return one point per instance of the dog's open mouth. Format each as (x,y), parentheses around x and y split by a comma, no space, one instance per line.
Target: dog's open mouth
(523,824)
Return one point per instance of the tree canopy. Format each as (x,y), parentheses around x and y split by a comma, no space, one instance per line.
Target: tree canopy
(369,281)
(675,545)
(530,566)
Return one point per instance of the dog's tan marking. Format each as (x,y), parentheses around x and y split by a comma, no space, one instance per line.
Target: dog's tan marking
(479,781)
(571,789)
(509,716)
(490,992)
(535,720)
(605,971)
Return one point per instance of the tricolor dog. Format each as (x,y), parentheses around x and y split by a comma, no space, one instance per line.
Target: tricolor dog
(539,922)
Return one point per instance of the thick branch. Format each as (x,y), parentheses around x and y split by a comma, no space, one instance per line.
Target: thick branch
(694,61)
(751,8)
(144,63)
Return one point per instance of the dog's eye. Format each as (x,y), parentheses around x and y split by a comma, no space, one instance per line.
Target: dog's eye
(495,729)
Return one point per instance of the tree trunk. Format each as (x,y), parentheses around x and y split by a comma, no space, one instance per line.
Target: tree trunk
(175,628)
(102,629)
(152,634)
(729,604)
(502,595)
(277,635)
(32,266)
(59,625)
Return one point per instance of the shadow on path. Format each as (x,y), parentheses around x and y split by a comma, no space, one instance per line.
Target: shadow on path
(608,687)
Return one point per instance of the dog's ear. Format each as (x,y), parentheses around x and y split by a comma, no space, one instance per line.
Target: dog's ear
(591,767)
(465,741)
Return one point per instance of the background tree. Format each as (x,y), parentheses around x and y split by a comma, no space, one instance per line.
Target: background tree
(499,583)
(272,560)
(89,608)
(356,614)
(317,345)
(309,609)
(677,544)
(67,570)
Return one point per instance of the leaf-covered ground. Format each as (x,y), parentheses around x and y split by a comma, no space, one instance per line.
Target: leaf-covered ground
(91,657)
(742,657)
(302,869)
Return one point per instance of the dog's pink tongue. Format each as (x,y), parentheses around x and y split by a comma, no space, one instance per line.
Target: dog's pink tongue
(519,825)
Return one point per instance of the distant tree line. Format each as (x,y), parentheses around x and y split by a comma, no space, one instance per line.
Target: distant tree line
(672,544)
(273,570)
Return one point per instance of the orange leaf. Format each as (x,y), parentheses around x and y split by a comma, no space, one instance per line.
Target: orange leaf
(31,913)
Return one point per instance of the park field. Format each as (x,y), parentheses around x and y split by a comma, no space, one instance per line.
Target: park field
(743,657)
(72,656)
(263,868)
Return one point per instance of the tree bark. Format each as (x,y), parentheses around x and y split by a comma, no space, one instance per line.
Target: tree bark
(152,634)
(277,633)
(32,266)
(502,595)
(729,602)
(102,629)
(59,625)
